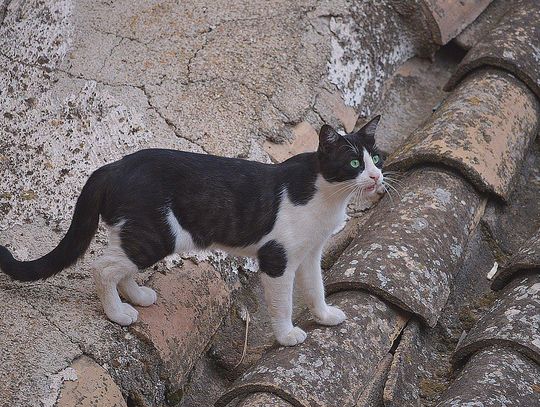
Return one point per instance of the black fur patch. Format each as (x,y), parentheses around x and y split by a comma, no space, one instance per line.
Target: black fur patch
(213,198)
(272,258)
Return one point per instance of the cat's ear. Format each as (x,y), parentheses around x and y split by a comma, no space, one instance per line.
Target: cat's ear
(327,137)
(369,128)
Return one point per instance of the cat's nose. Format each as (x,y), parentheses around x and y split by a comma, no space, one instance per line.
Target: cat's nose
(375,177)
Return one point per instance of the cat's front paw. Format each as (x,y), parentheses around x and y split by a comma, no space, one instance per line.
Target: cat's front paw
(124,315)
(331,316)
(294,337)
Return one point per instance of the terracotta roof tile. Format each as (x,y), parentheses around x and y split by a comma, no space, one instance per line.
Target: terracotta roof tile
(514,320)
(192,301)
(483,130)
(495,377)
(512,45)
(485,22)
(401,388)
(528,258)
(92,387)
(334,363)
(447,18)
(408,249)
(373,393)
(263,400)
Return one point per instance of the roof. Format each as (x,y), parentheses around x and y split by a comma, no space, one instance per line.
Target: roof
(85,87)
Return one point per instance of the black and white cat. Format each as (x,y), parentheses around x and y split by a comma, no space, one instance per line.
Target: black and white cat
(159,202)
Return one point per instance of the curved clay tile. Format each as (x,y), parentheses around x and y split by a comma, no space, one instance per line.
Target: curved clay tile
(495,377)
(334,363)
(482,129)
(513,45)
(513,321)
(409,248)
(528,258)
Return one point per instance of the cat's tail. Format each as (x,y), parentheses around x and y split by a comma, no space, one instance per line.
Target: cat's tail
(74,244)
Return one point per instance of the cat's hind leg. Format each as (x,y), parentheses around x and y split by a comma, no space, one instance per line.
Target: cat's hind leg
(108,271)
(136,294)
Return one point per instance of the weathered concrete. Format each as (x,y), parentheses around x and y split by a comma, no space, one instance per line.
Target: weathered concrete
(436,209)
(33,374)
(92,387)
(364,56)
(483,130)
(495,377)
(512,45)
(525,260)
(334,363)
(513,321)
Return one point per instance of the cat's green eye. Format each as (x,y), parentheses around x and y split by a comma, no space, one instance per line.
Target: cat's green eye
(376,159)
(355,163)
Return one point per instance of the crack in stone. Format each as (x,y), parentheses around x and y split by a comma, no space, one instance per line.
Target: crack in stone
(106,59)
(196,53)
(103,83)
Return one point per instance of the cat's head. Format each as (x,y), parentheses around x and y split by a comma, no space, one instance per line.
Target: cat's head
(351,157)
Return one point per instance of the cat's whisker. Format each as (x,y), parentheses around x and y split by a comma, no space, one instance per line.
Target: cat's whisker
(394,188)
(343,188)
(393,183)
(389,194)
(397,181)
(353,148)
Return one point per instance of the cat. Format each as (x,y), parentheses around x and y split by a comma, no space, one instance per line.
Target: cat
(157,202)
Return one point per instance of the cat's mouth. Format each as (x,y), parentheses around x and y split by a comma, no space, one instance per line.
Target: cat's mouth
(371,188)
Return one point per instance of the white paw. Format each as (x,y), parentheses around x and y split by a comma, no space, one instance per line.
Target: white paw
(145,297)
(294,337)
(124,315)
(331,316)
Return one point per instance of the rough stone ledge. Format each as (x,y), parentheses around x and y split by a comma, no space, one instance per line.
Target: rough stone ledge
(410,248)
(527,259)
(512,45)
(495,377)
(483,130)
(513,321)
(334,363)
